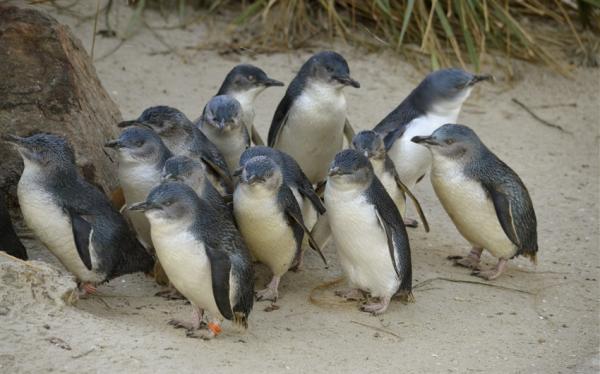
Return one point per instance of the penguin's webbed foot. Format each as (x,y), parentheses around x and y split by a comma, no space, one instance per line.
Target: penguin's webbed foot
(376,308)
(351,294)
(186,325)
(297,267)
(200,334)
(86,289)
(408,222)
(268,294)
(470,261)
(492,274)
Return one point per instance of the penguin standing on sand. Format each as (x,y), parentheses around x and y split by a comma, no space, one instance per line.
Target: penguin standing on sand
(437,100)
(244,83)
(484,197)
(9,241)
(183,138)
(368,231)
(142,155)
(73,219)
(203,255)
(309,202)
(310,121)
(370,144)
(270,220)
(222,123)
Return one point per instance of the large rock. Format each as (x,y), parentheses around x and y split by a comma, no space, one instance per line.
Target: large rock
(48,83)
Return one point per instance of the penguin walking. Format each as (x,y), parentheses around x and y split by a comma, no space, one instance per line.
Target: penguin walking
(310,121)
(244,83)
(270,220)
(142,155)
(203,255)
(183,138)
(368,232)
(370,144)
(9,241)
(309,202)
(484,197)
(437,100)
(72,218)
(222,123)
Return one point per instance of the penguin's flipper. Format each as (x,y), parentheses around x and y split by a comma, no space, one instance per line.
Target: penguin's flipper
(392,136)
(220,171)
(349,131)
(256,139)
(306,190)
(9,241)
(280,117)
(220,269)
(391,222)
(290,207)
(407,191)
(82,231)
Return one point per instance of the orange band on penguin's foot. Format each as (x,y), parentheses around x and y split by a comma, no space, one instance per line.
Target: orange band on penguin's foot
(215,328)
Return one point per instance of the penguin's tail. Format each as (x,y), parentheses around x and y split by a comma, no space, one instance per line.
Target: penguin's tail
(240,319)
(532,257)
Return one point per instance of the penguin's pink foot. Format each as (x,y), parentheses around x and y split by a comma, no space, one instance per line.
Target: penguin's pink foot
(494,273)
(376,308)
(471,261)
(408,222)
(181,324)
(297,267)
(213,329)
(86,289)
(353,294)
(196,322)
(270,293)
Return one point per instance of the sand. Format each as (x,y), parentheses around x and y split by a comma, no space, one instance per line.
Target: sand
(535,319)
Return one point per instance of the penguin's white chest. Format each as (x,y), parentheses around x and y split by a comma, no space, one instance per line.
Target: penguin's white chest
(51,224)
(137,181)
(360,242)
(470,208)
(389,183)
(313,133)
(265,229)
(412,160)
(186,263)
(246,100)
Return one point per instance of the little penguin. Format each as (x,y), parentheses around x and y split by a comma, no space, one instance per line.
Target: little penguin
(244,83)
(71,217)
(310,122)
(270,220)
(369,235)
(309,202)
(203,255)
(370,144)
(484,197)
(193,173)
(437,100)
(142,156)
(222,123)
(9,241)
(182,137)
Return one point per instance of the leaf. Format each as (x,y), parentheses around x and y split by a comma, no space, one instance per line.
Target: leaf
(406,20)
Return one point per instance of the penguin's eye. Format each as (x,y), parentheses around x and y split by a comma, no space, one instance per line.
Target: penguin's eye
(329,69)
(138,143)
(167,203)
(449,141)
(251,78)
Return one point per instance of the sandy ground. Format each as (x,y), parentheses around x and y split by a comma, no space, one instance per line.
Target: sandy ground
(536,319)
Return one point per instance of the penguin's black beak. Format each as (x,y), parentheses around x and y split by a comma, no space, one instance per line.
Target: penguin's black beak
(481,78)
(142,207)
(346,80)
(167,177)
(237,172)
(13,139)
(253,179)
(335,171)
(272,83)
(115,144)
(424,140)
(127,123)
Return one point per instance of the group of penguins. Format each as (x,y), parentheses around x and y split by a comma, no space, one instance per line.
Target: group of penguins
(201,201)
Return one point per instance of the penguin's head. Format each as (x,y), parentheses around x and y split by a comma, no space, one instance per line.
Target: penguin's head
(447,89)
(246,78)
(370,144)
(450,141)
(331,68)
(169,203)
(43,150)
(261,174)
(138,144)
(184,169)
(222,113)
(162,119)
(350,169)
